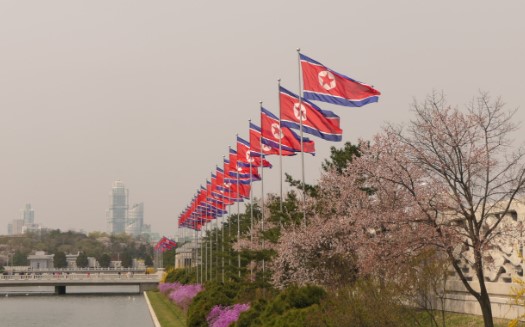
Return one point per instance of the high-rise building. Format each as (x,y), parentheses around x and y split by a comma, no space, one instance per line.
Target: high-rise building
(135,220)
(25,224)
(118,210)
(27,215)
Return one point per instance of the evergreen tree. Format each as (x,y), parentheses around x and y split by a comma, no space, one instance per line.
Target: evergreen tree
(104,260)
(148,261)
(127,260)
(82,260)
(20,259)
(59,260)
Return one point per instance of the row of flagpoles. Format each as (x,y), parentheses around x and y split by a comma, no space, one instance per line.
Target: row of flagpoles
(231,182)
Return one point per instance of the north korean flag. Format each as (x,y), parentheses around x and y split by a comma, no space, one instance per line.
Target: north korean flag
(245,158)
(290,141)
(323,84)
(243,190)
(318,122)
(255,143)
(232,156)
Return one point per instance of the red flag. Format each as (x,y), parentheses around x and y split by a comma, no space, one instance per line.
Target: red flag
(255,143)
(315,121)
(289,140)
(244,157)
(323,84)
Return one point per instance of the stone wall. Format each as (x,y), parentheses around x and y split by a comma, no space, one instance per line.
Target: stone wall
(503,265)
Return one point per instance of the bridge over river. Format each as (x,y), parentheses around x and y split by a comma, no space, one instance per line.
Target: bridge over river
(90,282)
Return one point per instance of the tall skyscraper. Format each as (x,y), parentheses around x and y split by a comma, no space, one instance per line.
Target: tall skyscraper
(27,215)
(135,220)
(26,222)
(118,210)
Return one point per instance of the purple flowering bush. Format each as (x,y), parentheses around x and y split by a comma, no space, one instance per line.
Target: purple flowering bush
(184,294)
(167,288)
(179,293)
(223,316)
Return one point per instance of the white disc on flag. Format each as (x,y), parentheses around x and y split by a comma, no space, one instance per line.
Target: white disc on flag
(296,111)
(327,80)
(249,157)
(266,148)
(276,131)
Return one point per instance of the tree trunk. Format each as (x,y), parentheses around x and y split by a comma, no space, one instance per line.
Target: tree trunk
(484,303)
(483,299)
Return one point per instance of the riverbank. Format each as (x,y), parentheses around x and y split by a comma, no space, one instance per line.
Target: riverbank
(167,313)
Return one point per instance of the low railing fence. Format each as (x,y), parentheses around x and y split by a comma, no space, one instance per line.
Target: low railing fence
(94,277)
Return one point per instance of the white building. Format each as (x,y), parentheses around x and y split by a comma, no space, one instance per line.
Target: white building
(71,260)
(41,260)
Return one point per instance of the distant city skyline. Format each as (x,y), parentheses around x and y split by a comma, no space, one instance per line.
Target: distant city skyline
(120,217)
(25,223)
(154,93)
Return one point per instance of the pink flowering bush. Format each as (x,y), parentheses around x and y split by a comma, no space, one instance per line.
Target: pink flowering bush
(167,288)
(223,316)
(179,293)
(184,294)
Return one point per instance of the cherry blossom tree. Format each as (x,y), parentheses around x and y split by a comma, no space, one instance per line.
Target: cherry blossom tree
(446,180)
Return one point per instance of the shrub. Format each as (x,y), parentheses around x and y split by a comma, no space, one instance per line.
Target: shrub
(183,276)
(366,303)
(184,294)
(223,316)
(291,307)
(166,288)
(216,293)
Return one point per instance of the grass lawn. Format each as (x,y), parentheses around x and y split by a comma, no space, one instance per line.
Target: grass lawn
(169,314)
(463,320)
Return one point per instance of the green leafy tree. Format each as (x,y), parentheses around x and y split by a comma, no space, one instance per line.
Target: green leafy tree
(340,158)
(59,260)
(127,260)
(20,259)
(82,260)
(104,260)
(168,258)
(148,261)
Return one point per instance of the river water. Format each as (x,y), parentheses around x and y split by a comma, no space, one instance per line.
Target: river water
(75,310)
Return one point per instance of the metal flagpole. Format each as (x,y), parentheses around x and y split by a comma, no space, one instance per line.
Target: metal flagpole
(229,235)
(217,244)
(280,151)
(204,241)
(238,220)
(262,196)
(251,210)
(211,249)
(202,252)
(193,260)
(195,248)
(222,241)
(301,126)
(222,229)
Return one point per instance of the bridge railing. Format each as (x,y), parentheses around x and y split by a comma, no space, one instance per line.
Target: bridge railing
(27,269)
(78,276)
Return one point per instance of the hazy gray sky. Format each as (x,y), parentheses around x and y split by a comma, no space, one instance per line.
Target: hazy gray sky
(153,92)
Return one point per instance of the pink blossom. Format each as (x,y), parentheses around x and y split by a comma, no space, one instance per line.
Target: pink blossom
(167,288)
(183,295)
(224,316)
